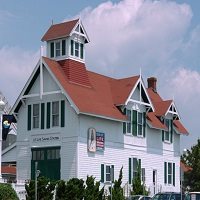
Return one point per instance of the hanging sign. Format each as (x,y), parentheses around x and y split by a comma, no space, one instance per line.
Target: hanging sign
(100,141)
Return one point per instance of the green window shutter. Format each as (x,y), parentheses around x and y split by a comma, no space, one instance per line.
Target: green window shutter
(134,122)
(124,123)
(63,47)
(102,173)
(72,47)
(48,114)
(52,49)
(112,175)
(163,135)
(174,174)
(42,115)
(139,167)
(129,167)
(171,133)
(29,118)
(144,124)
(82,51)
(62,113)
(165,172)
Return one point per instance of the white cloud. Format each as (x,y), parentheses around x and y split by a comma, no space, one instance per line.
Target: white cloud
(16,66)
(184,85)
(5,16)
(133,34)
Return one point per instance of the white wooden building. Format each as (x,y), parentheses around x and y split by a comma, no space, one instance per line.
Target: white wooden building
(75,122)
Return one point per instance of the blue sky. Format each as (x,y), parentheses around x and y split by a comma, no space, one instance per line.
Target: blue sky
(160,37)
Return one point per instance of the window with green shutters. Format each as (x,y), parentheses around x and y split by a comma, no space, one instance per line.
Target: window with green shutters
(57,48)
(136,124)
(77,49)
(46,115)
(107,173)
(134,168)
(169,173)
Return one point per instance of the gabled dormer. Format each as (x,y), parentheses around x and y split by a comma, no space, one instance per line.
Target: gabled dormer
(66,41)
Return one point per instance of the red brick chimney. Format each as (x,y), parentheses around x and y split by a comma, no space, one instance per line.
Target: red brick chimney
(152,83)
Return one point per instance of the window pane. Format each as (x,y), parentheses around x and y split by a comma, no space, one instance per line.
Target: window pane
(55,113)
(129,119)
(139,118)
(169,173)
(108,175)
(35,115)
(76,49)
(57,49)
(139,129)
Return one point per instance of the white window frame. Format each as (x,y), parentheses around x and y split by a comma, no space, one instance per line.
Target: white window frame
(140,124)
(35,116)
(170,173)
(77,50)
(167,135)
(55,114)
(133,169)
(59,49)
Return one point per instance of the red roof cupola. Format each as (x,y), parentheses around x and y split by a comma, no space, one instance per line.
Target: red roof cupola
(66,41)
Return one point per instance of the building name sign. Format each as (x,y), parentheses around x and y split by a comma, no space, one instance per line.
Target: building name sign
(46,138)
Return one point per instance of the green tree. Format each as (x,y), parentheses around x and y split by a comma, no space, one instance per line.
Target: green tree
(7,192)
(92,191)
(192,159)
(75,189)
(138,188)
(45,189)
(117,190)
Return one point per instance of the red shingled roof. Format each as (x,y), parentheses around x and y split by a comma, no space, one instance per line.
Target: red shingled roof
(57,31)
(155,122)
(180,128)
(97,99)
(162,107)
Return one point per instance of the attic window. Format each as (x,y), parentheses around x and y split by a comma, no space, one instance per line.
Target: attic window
(57,48)
(77,49)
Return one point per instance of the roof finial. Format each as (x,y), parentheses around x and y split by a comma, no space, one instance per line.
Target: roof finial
(52,22)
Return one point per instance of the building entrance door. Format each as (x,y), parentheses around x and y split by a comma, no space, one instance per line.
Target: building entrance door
(48,162)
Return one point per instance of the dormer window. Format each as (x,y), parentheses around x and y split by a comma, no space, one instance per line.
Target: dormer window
(58,48)
(77,49)
(136,123)
(167,136)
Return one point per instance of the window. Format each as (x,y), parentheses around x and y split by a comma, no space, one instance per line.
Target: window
(169,173)
(134,168)
(107,173)
(36,109)
(136,123)
(53,154)
(168,135)
(55,113)
(58,48)
(77,49)
(37,155)
(140,124)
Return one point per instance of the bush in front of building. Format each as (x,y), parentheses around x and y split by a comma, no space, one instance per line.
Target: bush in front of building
(138,188)
(92,191)
(45,189)
(7,192)
(117,190)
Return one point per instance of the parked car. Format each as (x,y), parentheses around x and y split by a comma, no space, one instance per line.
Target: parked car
(168,196)
(139,197)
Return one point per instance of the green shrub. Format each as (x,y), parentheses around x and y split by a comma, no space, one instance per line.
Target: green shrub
(7,192)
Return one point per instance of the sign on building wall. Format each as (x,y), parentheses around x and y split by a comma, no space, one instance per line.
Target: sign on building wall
(100,141)
(91,140)
(96,140)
